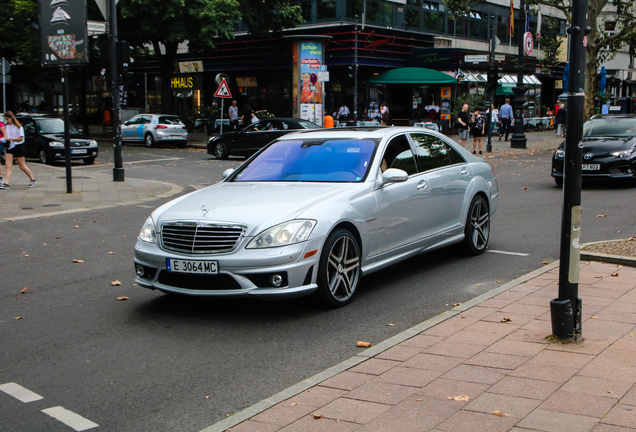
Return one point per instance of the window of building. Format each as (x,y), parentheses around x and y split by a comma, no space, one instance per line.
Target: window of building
(433,21)
(413,18)
(326,9)
(354,8)
(380,13)
(305,7)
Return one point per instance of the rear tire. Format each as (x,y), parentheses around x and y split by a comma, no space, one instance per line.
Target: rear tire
(89,161)
(339,269)
(182,144)
(221,151)
(477,230)
(149,140)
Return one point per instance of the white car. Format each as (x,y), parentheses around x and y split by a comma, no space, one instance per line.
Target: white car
(312,212)
(153,128)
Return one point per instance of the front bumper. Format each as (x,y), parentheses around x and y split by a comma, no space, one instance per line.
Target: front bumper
(609,167)
(244,272)
(60,154)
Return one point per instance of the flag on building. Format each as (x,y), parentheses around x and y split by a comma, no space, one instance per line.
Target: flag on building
(511,18)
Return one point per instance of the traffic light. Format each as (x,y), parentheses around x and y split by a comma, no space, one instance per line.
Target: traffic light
(493,78)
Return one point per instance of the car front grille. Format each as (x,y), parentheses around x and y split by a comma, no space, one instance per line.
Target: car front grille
(201,237)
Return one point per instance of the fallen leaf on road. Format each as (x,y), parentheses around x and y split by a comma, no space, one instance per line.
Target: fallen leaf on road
(18,318)
(58,237)
(94,221)
(456,304)
(593,317)
(546,262)
(26,255)
(497,281)
(615,274)
(477,284)
(115,283)
(120,298)
(525,188)
(631,335)
(78,261)
(498,413)
(24,290)
(631,239)
(390,324)
(317,416)
(598,277)
(364,344)
(460,398)
(418,400)
(505,319)
(463,316)
(76,226)
(111,253)
(601,215)
(293,404)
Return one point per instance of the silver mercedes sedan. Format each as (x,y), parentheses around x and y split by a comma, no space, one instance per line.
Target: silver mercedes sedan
(314,211)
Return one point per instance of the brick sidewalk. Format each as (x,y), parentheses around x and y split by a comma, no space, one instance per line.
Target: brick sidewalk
(489,367)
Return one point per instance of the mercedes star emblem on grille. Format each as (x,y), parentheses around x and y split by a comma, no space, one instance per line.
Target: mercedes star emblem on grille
(205,210)
(588,156)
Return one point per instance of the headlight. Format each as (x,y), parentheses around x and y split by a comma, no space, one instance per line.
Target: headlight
(560,153)
(287,233)
(92,143)
(624,153)
(56,144)
(147,233)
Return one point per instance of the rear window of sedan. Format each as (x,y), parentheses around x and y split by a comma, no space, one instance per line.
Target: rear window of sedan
(610,127)
(315,160)
(170,120)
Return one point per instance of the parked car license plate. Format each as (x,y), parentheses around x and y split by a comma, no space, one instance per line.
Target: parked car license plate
(190,266)
(177,137)
(78,151)
(591,167)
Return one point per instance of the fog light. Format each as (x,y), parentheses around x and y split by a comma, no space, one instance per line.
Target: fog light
(140,270)
(276,280)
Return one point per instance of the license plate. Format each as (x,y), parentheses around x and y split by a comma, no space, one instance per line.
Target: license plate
(591,167)
(177,137)
(191,266)
(78,151)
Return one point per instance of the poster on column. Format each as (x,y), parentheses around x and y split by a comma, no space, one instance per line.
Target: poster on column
(310,88)
(307,112)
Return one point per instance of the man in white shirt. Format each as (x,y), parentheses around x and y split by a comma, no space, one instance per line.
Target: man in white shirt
(344,114)
(233,115)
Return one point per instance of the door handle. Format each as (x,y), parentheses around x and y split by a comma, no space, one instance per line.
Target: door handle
(464,171)
(422,185)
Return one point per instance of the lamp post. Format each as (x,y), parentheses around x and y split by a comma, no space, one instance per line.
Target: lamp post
(118,169)
(519,139)
(355,73)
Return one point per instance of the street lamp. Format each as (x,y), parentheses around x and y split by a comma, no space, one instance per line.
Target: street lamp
(519,139)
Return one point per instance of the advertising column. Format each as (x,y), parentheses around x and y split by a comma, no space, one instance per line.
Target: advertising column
(308,56)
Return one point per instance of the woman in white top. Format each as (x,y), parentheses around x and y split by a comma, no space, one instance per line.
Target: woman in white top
(15,136)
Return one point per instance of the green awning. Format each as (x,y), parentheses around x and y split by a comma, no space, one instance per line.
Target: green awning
(412,75)
(505,90)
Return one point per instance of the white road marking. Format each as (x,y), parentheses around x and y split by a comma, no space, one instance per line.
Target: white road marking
(507,253)
(69,418)
(20,393)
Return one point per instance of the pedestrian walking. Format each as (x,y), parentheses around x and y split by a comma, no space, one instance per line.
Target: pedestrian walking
(15,136)
(384,115)
(505,115)
(494,119)
(464,122)
(560,121)
(344,115)
(478,128)
(3,145)
(247,114)
(233,116)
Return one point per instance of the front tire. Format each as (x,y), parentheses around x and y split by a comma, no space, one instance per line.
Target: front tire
(89,160)
(477,230)
(182,144)
(43,157)
(221,151)
(339,269)
(149,140)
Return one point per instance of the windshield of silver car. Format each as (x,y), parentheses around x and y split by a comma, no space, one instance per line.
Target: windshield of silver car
(610,127)
(311,160)
(53,126)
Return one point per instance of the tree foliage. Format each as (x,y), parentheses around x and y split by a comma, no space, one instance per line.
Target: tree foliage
(168,23)
(602,42)
(20,42)
(458,9)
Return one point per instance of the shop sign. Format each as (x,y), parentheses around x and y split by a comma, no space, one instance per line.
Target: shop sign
(186,82)
(528,43)
(476,58)
(63,32)
(191,67)
(373,43)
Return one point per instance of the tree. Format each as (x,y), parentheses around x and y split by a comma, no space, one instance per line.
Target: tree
(168,23)
(603,41)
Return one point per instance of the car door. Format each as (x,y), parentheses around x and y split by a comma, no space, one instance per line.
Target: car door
(31,138)
(448,176)
(401,206)
(129,128)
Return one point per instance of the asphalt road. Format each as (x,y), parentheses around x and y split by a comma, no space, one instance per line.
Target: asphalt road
(161,363)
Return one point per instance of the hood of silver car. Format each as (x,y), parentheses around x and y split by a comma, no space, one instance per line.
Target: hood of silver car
(257,205)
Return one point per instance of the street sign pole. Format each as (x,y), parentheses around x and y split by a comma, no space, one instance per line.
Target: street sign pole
(67,134)
(222,109)
(566,310)
(118,170)
(4,92)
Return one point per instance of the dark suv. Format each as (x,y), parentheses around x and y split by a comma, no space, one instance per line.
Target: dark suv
(44,139)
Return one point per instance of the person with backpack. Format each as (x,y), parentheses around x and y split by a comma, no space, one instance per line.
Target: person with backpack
(478,128)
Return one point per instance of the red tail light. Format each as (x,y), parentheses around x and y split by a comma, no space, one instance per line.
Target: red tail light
(161,127)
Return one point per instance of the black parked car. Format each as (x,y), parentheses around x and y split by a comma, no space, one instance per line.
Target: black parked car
(252,138)
(44,139)
(609,148)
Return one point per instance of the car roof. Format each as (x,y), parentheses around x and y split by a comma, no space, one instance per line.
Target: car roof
(35,114)
(372,132)
(293,119)
(612,116)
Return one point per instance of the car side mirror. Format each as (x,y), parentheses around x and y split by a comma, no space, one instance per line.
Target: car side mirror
(394,175)
(126,123)
(227,173)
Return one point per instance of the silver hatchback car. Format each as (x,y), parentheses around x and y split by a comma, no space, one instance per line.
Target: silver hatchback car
(154,128)
(313,212)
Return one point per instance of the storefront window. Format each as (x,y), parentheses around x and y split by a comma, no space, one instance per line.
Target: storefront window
(326,9)
(477,27)
(433,21)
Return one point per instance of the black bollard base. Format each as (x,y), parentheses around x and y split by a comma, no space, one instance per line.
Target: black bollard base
(562,319)
(118,174)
